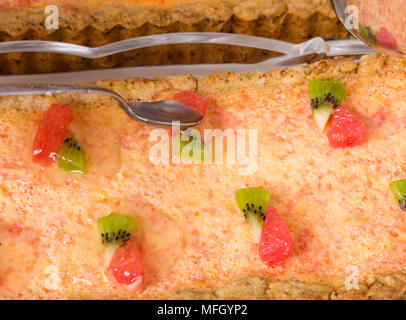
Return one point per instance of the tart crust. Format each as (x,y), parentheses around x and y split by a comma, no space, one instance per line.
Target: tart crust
(288,20)
(380,286)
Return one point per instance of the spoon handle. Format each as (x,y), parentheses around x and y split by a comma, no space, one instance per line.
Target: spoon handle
(48,89)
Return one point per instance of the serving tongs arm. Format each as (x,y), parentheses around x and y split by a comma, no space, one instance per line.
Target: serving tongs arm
(310,47)
(290,55)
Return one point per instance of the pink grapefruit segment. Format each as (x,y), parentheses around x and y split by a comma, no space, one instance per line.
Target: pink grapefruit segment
(126,265)
(194,101)
(385,39)
(346,130)
(276,241)
(52,131)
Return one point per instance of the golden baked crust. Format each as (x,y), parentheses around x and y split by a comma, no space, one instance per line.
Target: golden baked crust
(288,20)
(384,286)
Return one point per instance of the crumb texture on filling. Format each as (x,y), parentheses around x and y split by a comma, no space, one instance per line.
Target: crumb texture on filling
(337,203)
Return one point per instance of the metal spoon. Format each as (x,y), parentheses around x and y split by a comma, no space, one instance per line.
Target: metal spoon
(160,113)
(388,15)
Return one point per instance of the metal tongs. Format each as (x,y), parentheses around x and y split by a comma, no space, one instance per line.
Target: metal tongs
(164,112)
(292,54)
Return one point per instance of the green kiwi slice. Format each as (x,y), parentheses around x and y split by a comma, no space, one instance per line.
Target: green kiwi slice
(189,146)
(115,229)
(398,189)
(253,203)
(72,156)
(325,95)
(367,33)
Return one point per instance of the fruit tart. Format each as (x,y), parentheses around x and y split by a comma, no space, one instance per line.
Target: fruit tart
(96,205)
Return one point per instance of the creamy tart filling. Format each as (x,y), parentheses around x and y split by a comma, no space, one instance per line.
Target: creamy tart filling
(337,203)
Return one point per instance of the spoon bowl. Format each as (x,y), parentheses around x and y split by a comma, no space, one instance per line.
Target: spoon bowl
(163,113)
(380,24)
